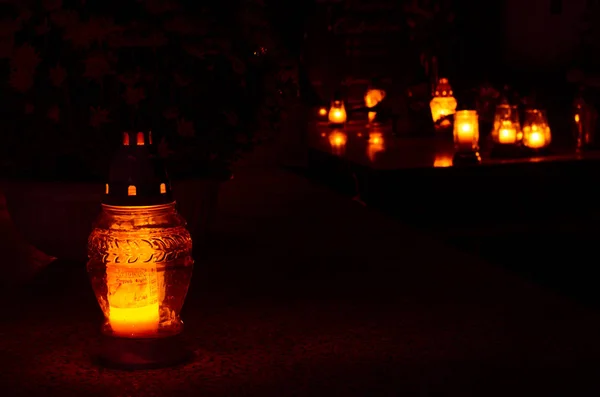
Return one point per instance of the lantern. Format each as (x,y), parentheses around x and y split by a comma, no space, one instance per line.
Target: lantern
(536,131)
(337,140)
(375,144)
(584,122)
(507,128)
(337,112)
(443,103)
(372,98)
(140,261)
(466,136)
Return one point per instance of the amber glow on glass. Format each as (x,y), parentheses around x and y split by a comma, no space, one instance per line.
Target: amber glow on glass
(337,112)
(125,139)
(323,112)
(163,188)
(106,189)
(140,139)
(140,266)
(131,190)
(466,130)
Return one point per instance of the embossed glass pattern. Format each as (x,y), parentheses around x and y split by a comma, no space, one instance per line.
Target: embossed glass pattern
(140,266)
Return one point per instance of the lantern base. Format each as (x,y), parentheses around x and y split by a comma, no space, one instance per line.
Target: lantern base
(142,353)
(466,159)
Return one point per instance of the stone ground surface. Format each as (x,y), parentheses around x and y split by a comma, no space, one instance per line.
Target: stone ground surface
(303,292)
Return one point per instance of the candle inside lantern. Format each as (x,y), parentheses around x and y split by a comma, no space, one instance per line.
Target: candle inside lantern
(507,133)
(133,300)
(466,130)
(535,137)
(465,133)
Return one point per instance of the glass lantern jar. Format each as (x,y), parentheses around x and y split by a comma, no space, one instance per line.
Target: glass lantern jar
(466,131)
(140,261)
(536,131)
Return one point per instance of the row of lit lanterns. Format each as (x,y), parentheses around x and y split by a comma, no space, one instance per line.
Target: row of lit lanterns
(507,130)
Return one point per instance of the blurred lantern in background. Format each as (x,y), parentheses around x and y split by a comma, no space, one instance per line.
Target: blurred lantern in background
(372,99)
(466,137)
(443,103)
(140,262)
(337,112)
(584,122)
(536,131)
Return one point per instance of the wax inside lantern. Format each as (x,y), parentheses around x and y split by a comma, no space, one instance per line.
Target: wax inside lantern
(133,300)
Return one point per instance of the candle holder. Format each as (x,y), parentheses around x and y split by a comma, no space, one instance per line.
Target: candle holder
(466,138)
(536,132)
(506,134)
(337,114)
(140,262)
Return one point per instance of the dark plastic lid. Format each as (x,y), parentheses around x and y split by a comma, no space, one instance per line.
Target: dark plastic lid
(137,175)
